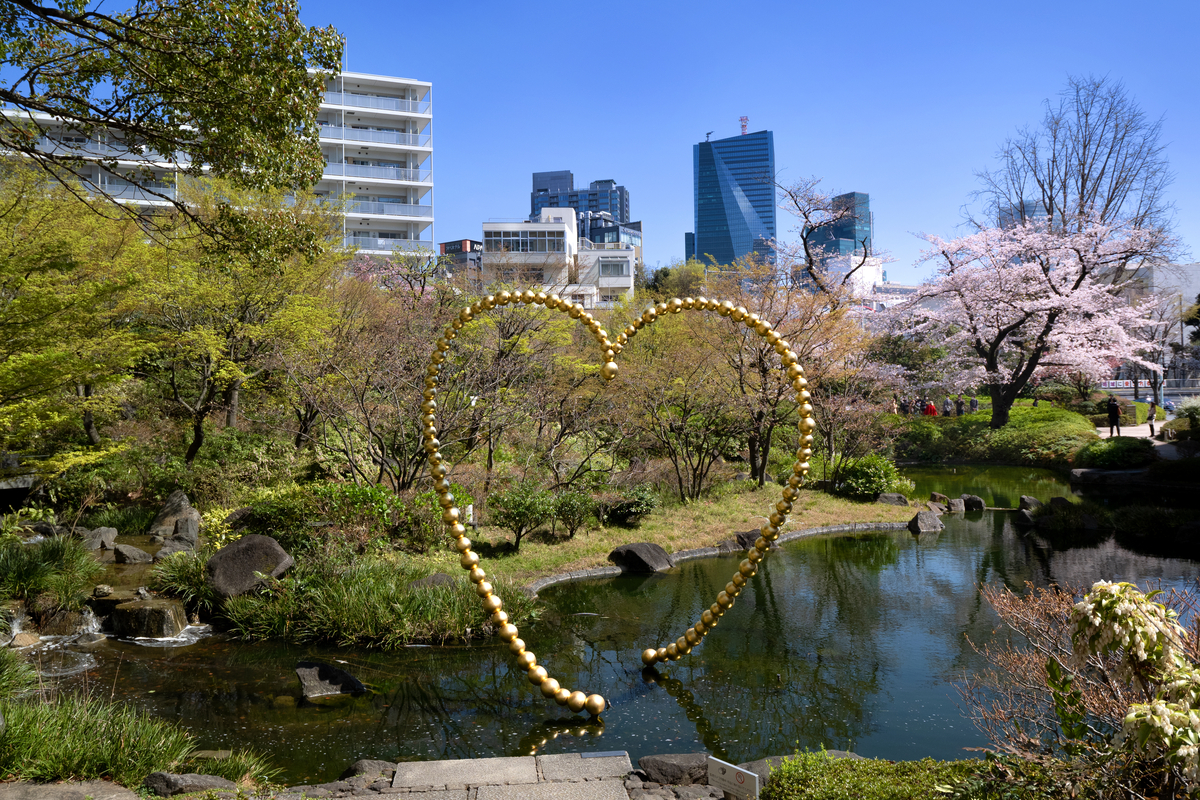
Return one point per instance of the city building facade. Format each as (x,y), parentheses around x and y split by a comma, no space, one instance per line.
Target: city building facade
(850,235)
(549,252)
(463,257)
(557,190)
(734,182)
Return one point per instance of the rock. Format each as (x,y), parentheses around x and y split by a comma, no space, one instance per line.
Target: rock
(746,539)
(236,520)
(61,623)
(436,579)
(103,606)
(728,546)
(176,544)
(107,536)
(322,680)
(1029,503)
(149,619)
(925,522)
(891,499)
(641,557)
(87,790)
(25,640)
(1059,502)
(1024,519)
(938,497)
(128,554)
(46,528)
(102,590)
(936,508)
(167,784)
(187,529)
(956,506)
(676,768)
(972,502)
(157,540)
(176,507)
(231,570)
(370,768)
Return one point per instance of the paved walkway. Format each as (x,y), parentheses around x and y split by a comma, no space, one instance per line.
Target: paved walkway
(1165,450)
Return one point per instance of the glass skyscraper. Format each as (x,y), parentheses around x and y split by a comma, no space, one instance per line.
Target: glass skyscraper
(735,196)
(848,235)
(557,190)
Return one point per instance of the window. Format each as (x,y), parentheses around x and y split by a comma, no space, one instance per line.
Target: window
(614,269)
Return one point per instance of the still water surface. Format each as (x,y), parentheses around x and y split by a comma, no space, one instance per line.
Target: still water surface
(847,642)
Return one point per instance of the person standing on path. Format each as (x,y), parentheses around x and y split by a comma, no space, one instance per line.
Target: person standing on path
(974,404)
(1151,414)
(1114,416)
(960,406)
(947,407)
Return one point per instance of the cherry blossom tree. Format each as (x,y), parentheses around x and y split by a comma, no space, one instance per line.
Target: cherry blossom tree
(1013,302)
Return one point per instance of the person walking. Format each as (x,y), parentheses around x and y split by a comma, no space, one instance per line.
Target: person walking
(1114,416)
(947,407)
(974,404)
(1153,411)
(960,406)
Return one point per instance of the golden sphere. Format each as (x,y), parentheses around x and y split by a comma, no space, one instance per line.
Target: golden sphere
(431,447)
(794,371)
(761,544)
(751,319)
(477,574)
(463,544)
(540,298)
(782,347)
(437,358)
(595,705)
(503,298)
(762,328)
(725,309)
(526,297)
(442,344)
(800,384)
(586,319)
(508,632)
(724,600)
(561,696)
(446,500)
(483,589)
(516,646)
(661,308)
(802,467)
(806,409)
(806,395)
(575,311)
(700,628)
(769,532)
(456,324)
(428,406)
(492,603)
(682,645)
(576,701)
(489,302)
(499,617)
(526,660)
(783,507)
(450,515)
(737,314)
(675,306)
(772,337)
(537,675)
(791,493)
(429,394)
(609,371)
(777,519)
(465,315)
(469,559)
(649,656)
(661,653)
(672,651)
(734,587)
(430,432)
(550,687)
(709,617)
(692,637)
(649,315)
(747,568)
(689,302)
(754,556)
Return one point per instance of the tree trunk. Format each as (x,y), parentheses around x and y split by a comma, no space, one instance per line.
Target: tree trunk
(197,439)
(232,396)
(1001,405)
(757,463)
(305,417)
(84,391)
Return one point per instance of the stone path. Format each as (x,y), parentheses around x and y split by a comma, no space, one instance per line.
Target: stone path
(1165,450)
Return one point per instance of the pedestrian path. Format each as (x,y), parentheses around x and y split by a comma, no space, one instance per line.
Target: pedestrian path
(1165,450)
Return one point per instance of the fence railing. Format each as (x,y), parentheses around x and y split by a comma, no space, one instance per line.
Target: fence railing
(386,173)
(388,245)
(370,101)
(391,209)
(338,133)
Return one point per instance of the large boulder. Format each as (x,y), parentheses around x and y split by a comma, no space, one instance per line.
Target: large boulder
(679,769)
(891,499)
(972,502)
(936,508)
(322,680)
(167,784)
(157,618)
(61,623)
(956,506)
(233,569)
(187,529)
(641,557)
(938,497)
(1029,503)
(128,554)
(1024,519)
(746,539)
(925,522)
(176,507)
(370,768)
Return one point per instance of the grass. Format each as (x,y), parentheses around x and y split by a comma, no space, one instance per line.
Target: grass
(1044,436)
(1119,452)
(128,520)
(815,776)
(58,566)
(16,674)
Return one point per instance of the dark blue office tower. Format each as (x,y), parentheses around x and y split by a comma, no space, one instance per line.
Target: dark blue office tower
(848,235)
(735,196)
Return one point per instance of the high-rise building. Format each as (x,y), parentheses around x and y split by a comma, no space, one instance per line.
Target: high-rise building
(376,139)
(734,196)
(1022,212)
(557,190)
(852,233)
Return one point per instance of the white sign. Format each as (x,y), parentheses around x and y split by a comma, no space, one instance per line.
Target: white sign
(734,780)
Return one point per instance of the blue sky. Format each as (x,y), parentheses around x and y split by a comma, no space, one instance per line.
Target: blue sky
(905,101)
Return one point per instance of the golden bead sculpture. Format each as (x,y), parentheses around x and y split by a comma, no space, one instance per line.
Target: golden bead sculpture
(576,700)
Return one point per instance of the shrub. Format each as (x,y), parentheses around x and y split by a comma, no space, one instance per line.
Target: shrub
(1119,452)
(126,519)
(870,475)
(521,509)
(626,508)
(573,509)
(419,525)
(816,776)
(182,575)
(1042,436)
(57,566)
(1190,410)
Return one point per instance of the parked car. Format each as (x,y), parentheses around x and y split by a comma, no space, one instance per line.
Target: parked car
(1168,405)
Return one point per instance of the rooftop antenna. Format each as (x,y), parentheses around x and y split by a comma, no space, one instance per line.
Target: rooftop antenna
(710,133)
(745,124)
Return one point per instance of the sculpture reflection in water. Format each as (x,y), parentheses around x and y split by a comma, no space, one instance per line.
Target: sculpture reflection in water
(695,714)
(577,701)
(545,732)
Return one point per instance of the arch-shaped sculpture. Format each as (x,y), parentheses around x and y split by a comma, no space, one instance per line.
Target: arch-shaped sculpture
(577,700)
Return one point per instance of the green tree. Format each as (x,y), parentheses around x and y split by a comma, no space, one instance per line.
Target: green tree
(222,87)
(521,509)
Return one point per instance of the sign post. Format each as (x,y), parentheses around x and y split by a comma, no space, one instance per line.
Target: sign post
(734,781)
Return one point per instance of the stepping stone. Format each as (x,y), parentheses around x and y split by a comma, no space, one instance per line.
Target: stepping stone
(459,773)
(589,790)
(574,767)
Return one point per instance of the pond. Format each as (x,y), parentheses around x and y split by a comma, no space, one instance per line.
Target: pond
(999,486)
(851,642)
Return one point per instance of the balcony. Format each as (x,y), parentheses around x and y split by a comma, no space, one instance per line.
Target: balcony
(381,173)
(104,150)
(369,101)
(387,245)
(586,244)
(338,134)
(390,209)
(137,194)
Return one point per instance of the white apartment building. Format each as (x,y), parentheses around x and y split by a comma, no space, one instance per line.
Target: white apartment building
(550,252)
(375,134)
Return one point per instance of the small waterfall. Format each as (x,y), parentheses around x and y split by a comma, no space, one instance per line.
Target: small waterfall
(91,623)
